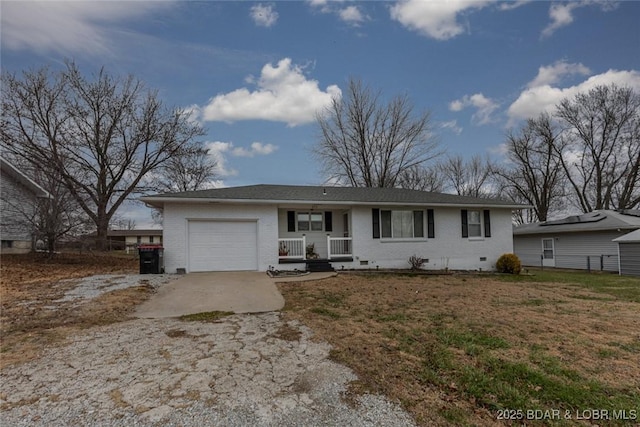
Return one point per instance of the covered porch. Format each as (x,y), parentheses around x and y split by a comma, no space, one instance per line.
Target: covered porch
(306,235)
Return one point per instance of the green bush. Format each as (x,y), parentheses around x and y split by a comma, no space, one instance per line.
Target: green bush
(508,263)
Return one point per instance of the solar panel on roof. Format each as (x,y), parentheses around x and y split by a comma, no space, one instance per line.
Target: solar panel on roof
(577,219)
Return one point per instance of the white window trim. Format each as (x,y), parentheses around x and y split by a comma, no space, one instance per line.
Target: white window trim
(481,237)
(309,213)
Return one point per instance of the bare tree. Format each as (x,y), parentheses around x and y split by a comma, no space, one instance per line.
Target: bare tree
(102,136)
(365,143)
(193,169)
(468,178)
(601,156)
(422,178)
(533,173)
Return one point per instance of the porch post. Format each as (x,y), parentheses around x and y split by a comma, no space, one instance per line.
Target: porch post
(328,246)
(304,247)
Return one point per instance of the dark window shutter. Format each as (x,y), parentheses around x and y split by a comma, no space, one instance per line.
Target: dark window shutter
(328,221)
(375,216)
(487,223)
(431,224)
(291,221)
(465,223)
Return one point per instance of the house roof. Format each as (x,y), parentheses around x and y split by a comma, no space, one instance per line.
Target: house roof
(23,179)
(264,193)
(593,221)
(634,236)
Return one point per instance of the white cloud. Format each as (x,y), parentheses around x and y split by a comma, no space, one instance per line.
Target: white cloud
(452,125)
(554,73)
(68,27)
(435,19)
(535,100)
(484,107)
(220,150)
(257,149)
(561,14)
(351,15)
(510,5)
(264,15)
(217,150)
(283,94)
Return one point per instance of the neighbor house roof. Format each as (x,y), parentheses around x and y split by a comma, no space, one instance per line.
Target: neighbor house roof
(593,221)
(264,193)
(634,236)
(20,177)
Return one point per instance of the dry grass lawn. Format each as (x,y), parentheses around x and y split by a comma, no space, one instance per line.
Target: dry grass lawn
(460,349)
(453,350)
(30,283)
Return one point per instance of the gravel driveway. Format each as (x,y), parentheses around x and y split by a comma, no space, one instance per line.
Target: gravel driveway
(245,370)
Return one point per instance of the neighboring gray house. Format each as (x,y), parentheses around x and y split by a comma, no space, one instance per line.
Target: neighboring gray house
(579,241)
(629,253)
(18,194)
(284,226)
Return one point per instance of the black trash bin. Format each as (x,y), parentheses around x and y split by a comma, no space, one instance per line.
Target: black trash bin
(151,261)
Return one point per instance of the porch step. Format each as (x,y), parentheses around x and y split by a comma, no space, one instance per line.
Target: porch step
(317,265)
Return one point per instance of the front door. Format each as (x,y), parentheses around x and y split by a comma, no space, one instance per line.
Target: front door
(548,253)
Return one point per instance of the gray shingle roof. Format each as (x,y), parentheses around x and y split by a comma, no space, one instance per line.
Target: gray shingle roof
(593,221)
(326,194)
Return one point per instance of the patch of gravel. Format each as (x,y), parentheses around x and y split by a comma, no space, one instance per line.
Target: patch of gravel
(236,372)
(93,286)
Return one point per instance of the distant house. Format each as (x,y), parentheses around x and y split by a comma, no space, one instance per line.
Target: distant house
(17,205)
(629,253)
(130,239)
(579,242)
(287,226)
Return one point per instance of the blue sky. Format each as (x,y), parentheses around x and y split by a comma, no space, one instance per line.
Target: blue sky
(255,73)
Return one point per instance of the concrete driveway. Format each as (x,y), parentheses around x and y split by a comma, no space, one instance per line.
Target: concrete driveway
(238,292)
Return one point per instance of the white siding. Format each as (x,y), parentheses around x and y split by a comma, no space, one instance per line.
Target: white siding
(17,203)
(175,230)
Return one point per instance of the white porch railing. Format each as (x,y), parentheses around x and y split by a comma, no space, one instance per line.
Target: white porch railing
(339,247)
(293,248)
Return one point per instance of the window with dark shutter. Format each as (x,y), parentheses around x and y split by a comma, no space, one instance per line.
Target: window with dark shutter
(465,223)
(487,223)
(291,221)
(375,219)
(328,221)
(431,225)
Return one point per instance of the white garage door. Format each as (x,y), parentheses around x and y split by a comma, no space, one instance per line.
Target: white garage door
(223,245)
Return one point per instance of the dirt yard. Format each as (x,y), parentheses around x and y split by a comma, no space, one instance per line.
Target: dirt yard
(30,283)
(466,350)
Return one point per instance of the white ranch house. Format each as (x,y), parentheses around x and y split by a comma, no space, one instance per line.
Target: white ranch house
(259,227)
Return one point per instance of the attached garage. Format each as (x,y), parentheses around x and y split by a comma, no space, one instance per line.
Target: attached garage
(222,245)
